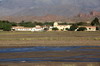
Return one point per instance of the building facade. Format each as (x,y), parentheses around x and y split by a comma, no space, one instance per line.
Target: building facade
(61,27)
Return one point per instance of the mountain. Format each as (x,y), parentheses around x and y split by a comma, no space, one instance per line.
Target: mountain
(45,7)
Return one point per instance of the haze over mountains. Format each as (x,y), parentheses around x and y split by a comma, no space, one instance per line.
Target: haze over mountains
(44,7)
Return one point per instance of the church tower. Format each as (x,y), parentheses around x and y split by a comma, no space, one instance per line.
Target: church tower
(55,24)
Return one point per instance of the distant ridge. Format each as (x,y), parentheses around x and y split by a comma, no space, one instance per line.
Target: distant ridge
(51,18)
(91,14)
(67,8)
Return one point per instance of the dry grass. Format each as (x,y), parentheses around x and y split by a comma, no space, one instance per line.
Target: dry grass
(49,38)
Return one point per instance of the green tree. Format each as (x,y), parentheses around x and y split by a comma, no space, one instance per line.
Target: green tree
(63,23)
(13,23)
(49,23)
(81,29)
(55,29)
(67,29)
(7,27)
(81,23)
(38,23)
(73,27)
(95,22)
(26,24)
(45,29)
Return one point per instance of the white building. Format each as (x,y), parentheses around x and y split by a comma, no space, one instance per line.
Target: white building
(61,27)
(37,28)
(90,28)
(20,28)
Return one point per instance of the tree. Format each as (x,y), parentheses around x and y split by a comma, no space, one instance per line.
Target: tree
(27,24)
(49,23)
(63,23)
(13,23)
(73,27)
(7,27)
(67,29)
(38,23)
(81,29)
(95,22)
(55,28)
(81,23)
(45,29)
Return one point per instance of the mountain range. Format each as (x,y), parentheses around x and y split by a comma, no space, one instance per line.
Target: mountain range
(66,8)
(45,7)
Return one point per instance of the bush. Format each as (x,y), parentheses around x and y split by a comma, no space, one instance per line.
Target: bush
(81,23)
(95,22)
(7,27)
(55,28)
(73,27)
(26,24)
(82,29)
(45,29)
(67,29)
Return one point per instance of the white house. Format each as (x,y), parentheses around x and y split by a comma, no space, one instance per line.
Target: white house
(37,28)
(88,28)
(61,27)
(20,28)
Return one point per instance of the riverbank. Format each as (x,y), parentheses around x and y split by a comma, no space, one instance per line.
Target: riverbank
(25,39)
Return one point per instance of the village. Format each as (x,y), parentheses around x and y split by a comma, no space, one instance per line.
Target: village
(93,25)
(55,27)
(61,26)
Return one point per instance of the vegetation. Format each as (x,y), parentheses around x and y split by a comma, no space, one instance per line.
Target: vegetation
(55,29)
(45,29)
(95,22)
(5,25)
(81,23)
(66,29)
(81,29)
(26,24)
(49,23)
(63,23)
(73,27)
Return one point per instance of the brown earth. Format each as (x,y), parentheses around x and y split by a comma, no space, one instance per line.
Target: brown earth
(68,38)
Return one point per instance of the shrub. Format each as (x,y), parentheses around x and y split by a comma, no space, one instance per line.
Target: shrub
(45,29)
(55,28)
(82,29)
(7,27)
(73,27)
(66,29)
